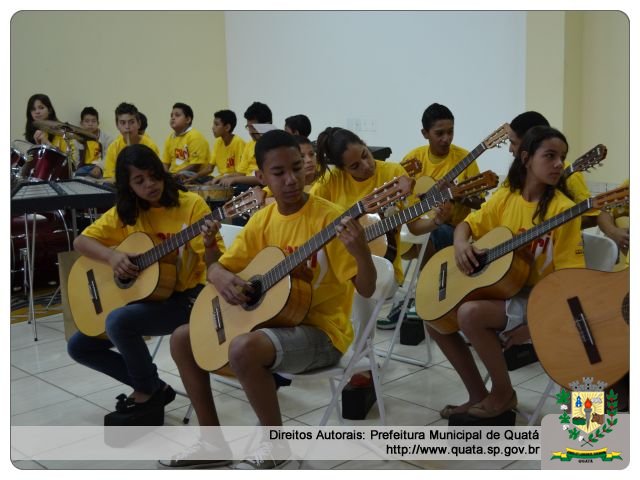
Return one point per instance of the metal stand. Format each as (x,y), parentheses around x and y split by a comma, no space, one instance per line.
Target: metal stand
(29,269)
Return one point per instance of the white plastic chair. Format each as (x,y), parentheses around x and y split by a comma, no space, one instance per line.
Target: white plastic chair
(600,253)
(361,356)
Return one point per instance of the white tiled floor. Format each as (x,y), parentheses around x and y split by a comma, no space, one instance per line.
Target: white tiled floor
(48,388)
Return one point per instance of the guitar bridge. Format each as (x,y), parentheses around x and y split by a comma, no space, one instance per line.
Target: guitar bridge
(93,292)
(580,320)
(218,323)
(442,282)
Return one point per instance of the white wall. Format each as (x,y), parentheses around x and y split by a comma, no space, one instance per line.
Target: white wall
(383,68)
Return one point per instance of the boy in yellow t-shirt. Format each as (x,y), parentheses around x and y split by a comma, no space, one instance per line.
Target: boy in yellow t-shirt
(438,157)
(186,151)
(244,177)
(335,269)
(128,124)
(534,195)
(227,147)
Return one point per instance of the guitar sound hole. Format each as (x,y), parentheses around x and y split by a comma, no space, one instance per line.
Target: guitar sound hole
(255,297)
(124,283)
(482,263)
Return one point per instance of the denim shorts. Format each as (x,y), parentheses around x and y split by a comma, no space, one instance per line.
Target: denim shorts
(301,349)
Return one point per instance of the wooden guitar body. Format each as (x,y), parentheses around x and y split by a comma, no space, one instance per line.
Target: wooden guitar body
(603,300)
(90,311)
(442,287)
(214,323)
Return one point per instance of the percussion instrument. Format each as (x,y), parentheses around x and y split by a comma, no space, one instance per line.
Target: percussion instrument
(18,158)
(48,163)
(49,196)
(53,237)
(65,130)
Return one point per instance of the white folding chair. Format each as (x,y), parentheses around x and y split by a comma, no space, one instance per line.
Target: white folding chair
(361,356)
(408,294)
(600,252)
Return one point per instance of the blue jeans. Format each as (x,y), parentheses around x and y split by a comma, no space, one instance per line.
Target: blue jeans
(125,327)
(442,236)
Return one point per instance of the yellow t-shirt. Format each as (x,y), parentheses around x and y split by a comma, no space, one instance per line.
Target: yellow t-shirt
(162,223)
(438,167)
(92,152)
(333,267)
(182,151)
(116,147)
(342,189)
(223,157)
(578,189)
(560,248)
(248,163)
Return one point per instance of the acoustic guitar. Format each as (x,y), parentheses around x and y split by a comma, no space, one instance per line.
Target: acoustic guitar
(279,299)
(502,271)
(590,159)
(426,187)
(579,324)
(94,290)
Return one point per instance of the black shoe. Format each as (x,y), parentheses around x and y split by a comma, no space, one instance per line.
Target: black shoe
(163,396)
(169,395)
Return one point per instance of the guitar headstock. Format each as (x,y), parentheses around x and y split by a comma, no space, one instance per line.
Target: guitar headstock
(497,138)
(245,203)
(391,192)
(612,198)
(474,185)
(412,166)
(590,159)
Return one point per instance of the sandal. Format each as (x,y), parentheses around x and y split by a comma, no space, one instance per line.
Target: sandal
(482,411)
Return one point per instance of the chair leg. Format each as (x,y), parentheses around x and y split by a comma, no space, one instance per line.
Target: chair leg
(377,387)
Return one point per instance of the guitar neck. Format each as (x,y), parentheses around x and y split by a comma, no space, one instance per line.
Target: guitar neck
(429,200)
(314,244)
(527,237)
(176,241)
(463,164)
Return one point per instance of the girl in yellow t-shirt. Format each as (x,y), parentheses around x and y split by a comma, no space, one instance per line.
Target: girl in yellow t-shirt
(535,193)
(356,175)
(148,200)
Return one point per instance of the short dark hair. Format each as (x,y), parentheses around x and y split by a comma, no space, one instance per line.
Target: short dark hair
(523,122)
(125,108)
(89,111)
(143,121)
(258,112)
(433,113)
(186,109)
(303,140)
(299,123)
(227,117)
(270,141)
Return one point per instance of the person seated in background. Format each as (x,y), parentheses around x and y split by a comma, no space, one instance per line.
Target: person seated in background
(91,153)
(128,124)
(227,147)
(298,125)
(186,151)
(244,178)
(438,157)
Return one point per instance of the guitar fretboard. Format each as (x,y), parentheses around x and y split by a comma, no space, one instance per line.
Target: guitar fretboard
(462,164)
(286,266)
(176,241)
(537,231)
(429,200)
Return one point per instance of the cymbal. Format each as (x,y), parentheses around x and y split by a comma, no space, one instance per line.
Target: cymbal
(64,129)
